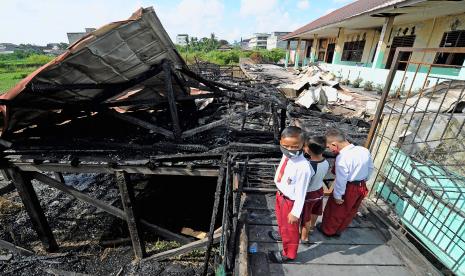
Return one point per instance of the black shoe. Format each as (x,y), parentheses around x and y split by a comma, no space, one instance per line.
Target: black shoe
(318,227)
(274,235)
(277,257)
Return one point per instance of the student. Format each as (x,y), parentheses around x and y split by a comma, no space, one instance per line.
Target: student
(353,167)
(291,178)
(313,207)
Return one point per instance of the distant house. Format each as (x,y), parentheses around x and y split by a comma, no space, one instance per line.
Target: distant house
(225,48)
(182,39)
(7,48)
(73,37)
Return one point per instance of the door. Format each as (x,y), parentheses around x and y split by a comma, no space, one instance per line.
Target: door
(330,52)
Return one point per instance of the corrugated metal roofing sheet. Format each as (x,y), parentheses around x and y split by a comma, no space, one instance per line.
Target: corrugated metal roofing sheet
(113,54)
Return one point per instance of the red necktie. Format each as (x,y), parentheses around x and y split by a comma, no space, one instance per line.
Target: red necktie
(283,167)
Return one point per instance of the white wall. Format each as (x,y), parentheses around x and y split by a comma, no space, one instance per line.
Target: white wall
(379,76)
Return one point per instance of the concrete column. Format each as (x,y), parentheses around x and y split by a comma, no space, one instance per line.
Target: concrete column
(338,47)
(288,52)
(313,53)
(382,43)
(304,56)
(462,71)
(297,53)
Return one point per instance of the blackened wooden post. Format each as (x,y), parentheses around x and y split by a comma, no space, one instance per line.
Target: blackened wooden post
(59,177)
(171,100)
(29,198)
(276,124)
(283,119)
(128,201)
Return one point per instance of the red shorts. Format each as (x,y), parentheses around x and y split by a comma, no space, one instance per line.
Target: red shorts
(313,205)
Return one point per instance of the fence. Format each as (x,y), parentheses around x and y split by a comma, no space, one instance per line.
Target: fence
(418,144)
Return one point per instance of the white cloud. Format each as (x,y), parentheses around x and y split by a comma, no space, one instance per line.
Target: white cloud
(195,17)
(257,7)
(303,4)
(41,22)
(268,16)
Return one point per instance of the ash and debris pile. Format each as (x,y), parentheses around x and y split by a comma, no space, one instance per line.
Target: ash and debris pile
(80,109)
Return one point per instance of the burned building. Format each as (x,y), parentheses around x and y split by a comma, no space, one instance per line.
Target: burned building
(106,141)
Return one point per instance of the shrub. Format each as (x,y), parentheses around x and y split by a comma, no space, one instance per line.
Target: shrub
(38,59)
(368,86)
(256,57)
(379,88)
(356,83)
(345,82)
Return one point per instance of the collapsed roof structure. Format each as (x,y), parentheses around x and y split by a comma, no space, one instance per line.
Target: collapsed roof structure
(122,101)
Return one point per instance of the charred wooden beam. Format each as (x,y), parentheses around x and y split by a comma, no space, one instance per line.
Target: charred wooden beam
(29,198)
(186,157)
(97,106)
(223,121)
(101,205)
(129,204)
(165,233)
(283,119)
(59,177)
(219,185)
(15,248)
(111,168)
(142,123)
(183,249)
(171,100)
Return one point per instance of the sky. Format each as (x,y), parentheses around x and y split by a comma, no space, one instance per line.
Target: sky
(44,21)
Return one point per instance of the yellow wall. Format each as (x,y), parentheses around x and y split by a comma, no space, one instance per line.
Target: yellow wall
(428,34)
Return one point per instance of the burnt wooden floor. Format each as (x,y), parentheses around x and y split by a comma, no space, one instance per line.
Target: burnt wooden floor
(361,250)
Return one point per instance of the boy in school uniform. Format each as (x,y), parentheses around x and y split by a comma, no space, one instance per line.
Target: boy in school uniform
(353,168)
(313,207)
(292,177)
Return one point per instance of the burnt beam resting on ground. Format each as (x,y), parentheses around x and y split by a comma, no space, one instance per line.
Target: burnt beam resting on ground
(165,233)
(129,204)
(29,198)
(183,249)
(59,177)
(101,205)
(79,195)
(142,123)
(171,99)
(223,121)
(109,168)
(93,106)
(15,248)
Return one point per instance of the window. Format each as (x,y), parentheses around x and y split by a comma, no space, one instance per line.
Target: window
(451,39)
(353,51)
(400,41)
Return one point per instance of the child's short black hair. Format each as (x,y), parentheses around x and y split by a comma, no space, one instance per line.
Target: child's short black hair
(316,144)
(292,131)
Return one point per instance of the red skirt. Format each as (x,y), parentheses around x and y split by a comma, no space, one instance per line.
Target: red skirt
(313,205)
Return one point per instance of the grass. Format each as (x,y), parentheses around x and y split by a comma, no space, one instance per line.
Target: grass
(16,66)
(9,77)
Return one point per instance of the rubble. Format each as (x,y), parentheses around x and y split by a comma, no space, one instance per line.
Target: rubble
(75,126)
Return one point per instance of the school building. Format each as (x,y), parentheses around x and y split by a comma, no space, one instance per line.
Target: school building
(360,39)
